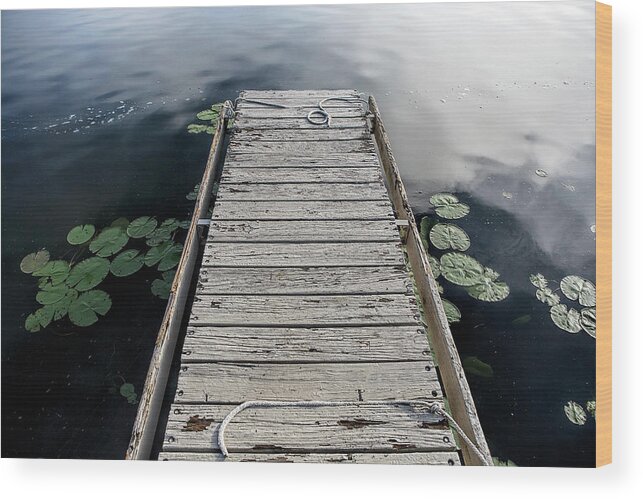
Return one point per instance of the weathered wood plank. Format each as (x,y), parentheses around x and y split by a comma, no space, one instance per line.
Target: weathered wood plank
(334,101)
(301,175)
(297,281)
(302,135)
(359,428)
(346,344)
(423,458)
(301,148)
(355,160)
(302,255)
(302,210)
(245,122)
(304,310)
(295,94)
(302,191)
(354,111)
(302,230)
(223,383)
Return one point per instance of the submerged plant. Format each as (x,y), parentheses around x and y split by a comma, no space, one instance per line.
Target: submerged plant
(575,413)
(473,365)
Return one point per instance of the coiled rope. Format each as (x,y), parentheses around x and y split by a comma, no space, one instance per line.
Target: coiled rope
(432,407)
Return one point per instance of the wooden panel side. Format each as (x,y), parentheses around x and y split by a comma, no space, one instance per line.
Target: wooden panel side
(604,234)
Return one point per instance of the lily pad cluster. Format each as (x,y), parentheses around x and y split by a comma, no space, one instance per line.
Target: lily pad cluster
(481,283)
(68,288)
(576,289)
(578,414)
(207,120)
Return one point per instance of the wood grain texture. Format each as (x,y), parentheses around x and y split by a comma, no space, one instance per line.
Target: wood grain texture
(294,149)
(300,345)
(418,458)
(245,122)
(304,311)
(302,210)
(353,111)
(334,160)
(290,94)
(302,231)
(322,175)
(373,191)
(302,255)
(360,428)
(311,280)
(223,383)
(604,234)
(302,135)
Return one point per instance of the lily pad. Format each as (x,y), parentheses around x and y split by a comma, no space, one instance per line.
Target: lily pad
(567,320)
(443,199)
(61,307)
(575,413)
(89,273)
(473,365)
(109,241)
(541,173)
(197,128)
(453,211)
(590,407)
(208,115)
(435,266)
(84,311)
(499,462)
(40,319)
(588,321)
(577,288)
(193,195)
(161,288)
(167,255)
(55,271)
(425,224)
(34,261)
(51,294)
(141,227)
(546,295)
(126,263)
(449,236)
(81,234)
(121,222)
(452,312)
(461,269)
(128,391)
(538,280)
(488,289)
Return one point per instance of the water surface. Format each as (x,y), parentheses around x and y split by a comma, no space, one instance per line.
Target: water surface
(475,97)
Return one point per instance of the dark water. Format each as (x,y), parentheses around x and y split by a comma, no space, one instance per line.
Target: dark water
(475,99)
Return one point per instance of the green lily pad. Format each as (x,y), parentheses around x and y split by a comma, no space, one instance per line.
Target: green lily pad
(538,280)
(141,227)
(89,273)
(546,295)
(40,319)
(197,128)
(185,224)
(488,289)
(577,288)
(435,266)
(453,211)
(167,255)
(461,269)
(567,320)
(425,225)
(126,263)
(193,195)
(61,307)
(55,271)
(588,321)
(499,462)
(169,224)
(448,236)
(50,293)
(121,222)
(211,114)
(575,413)
(81,234)
(590,407)
(84,311)
(473,365)
(109,241)
(443,199)
(161,288)
(34,261)
(451,311)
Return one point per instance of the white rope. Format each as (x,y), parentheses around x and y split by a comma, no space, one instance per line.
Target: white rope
(324,114)
(433,407)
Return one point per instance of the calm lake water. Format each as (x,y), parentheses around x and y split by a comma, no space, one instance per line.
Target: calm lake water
(476,98)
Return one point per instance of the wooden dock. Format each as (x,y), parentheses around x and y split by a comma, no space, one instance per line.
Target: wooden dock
(306,293)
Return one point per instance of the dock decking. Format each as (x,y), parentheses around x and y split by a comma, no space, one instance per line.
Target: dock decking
(304,294)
